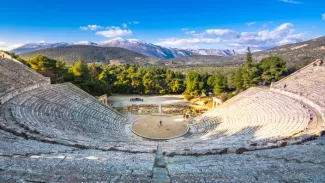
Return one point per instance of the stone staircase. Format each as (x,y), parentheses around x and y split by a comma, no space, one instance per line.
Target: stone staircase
(160,171)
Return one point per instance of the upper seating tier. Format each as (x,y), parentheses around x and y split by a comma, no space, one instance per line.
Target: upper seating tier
(16,78)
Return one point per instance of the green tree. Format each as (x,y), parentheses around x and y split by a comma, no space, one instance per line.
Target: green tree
(176,85)
(41,63)
(249,58)
(250,72)
(230,81)
(193,84)
(238,79)
(272,68)
(80,69)
(218,82)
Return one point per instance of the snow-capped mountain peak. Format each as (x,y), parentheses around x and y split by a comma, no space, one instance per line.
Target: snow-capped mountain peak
(135,45)
(37,46)
(86,43)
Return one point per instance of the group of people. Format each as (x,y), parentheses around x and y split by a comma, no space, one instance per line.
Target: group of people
(136,100)
(186,116)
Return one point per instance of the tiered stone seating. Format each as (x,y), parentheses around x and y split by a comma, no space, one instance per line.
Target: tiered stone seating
(307,85)
(16,78)
(205,124)
(18,146)
(65,113)
(261,117)
(32,161)
(297,163)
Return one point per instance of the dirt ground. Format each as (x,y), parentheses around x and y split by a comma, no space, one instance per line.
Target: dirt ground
(149,126)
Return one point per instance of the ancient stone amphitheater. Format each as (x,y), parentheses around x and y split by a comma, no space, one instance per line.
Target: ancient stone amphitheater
(58,133)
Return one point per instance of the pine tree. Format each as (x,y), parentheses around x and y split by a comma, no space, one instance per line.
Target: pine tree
(249,58)
(80,69)
(238,79)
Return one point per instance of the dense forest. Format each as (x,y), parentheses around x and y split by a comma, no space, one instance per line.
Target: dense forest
(98,79)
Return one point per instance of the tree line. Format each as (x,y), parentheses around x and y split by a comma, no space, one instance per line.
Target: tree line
(225,85)
(98,79)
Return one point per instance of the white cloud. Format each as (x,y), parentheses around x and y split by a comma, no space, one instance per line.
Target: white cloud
(42,41)
(184,29)
(266,24)
(291,1)
(134,22)
(187,42)
(190,32)
(257,40)
(114,31)
(283,34)
(323,16)
(250,24)
(91,27)
(124,25)
(6,47)
(221,32)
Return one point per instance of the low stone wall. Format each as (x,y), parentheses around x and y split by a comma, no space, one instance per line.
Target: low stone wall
(180,109)
(139,109)
(165,109)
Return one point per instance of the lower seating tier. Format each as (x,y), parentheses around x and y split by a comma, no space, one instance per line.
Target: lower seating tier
(259,118)
(64,113)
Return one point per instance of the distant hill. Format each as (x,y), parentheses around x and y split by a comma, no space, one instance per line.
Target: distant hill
(108,55)
(161,52)
(297,54)
(205,60)
(37,46)
(139,46)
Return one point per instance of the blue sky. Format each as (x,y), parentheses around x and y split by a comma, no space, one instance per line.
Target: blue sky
(230,24)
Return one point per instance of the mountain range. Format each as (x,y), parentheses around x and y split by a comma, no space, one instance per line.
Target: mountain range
(296,55)
(139,46)
(90,54)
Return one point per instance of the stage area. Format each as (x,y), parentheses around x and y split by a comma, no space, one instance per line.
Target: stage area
(150,127)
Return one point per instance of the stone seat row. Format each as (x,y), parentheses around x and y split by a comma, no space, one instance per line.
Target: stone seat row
(258,118)
(15,70)
(16,78)
(308,82)
(55,113)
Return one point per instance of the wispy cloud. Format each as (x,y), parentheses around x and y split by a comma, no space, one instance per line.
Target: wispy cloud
(291,1)
(323,16)
(187,42)
(91,27)
(7,47)
(283,34)
(114,31)
(125,25)
(221,32)
(184,29)
(190,32)
(250,24)
(134,22)
(257,40)
(266,24)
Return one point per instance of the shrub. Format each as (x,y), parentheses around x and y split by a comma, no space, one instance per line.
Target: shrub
(223,97)
(188,97)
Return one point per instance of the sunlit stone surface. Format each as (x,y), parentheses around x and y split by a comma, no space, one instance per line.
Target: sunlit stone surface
(58,133)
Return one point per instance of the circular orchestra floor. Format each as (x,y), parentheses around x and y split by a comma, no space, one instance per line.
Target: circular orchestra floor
(150,127)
